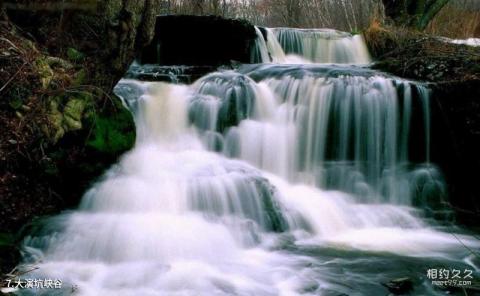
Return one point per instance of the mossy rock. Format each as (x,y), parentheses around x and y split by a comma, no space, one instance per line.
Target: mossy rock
(66,113)
(113,132)
(44,71)
(73,112)
(54,130)
(58,62)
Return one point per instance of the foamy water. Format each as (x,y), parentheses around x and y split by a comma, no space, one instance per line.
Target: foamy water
(268,180)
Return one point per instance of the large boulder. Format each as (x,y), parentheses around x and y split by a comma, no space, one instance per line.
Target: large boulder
(199,40)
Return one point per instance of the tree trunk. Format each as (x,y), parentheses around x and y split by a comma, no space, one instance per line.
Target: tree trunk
(416,13)
(128,25)
(119,29)
(430,13)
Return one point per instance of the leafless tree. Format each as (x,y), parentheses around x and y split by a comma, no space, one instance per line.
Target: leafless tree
(349,15)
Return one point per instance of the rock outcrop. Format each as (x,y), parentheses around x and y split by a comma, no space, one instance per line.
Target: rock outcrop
(199,41)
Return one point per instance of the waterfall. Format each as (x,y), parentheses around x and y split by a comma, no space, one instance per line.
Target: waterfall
(274,48)
(260,52)
(301,46)
(270,179)
(335,132)
(324,45)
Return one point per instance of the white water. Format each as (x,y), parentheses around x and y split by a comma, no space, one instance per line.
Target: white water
(303,46)
(468,41)
(172,218)
(232,176)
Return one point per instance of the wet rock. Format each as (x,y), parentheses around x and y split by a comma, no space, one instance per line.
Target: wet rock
(172,74)
(399,286)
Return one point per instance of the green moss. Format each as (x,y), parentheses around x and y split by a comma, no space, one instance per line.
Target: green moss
(356,31)
(44,71)
(79,78)
(75,55)
(54,129)
(113,133)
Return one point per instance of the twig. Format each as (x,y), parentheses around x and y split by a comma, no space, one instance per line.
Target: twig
(465,246)
(11,43)
(15,273)
(11,78)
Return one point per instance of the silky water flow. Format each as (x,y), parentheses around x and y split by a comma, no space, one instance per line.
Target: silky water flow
(288,177)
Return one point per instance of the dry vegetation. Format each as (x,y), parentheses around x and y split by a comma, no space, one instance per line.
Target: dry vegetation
(409,53)
(347,15)
(20,116)
(23,114)
(458,20)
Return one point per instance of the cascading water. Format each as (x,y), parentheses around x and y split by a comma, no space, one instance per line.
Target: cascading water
(302,46)
(333,130)
(266,180)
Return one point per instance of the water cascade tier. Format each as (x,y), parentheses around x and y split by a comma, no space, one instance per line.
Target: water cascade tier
(271,179)
(301,46)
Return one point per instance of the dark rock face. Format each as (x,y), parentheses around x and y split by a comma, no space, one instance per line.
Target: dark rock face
(400,286)
(173,74)
(199,40)
(456,144)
